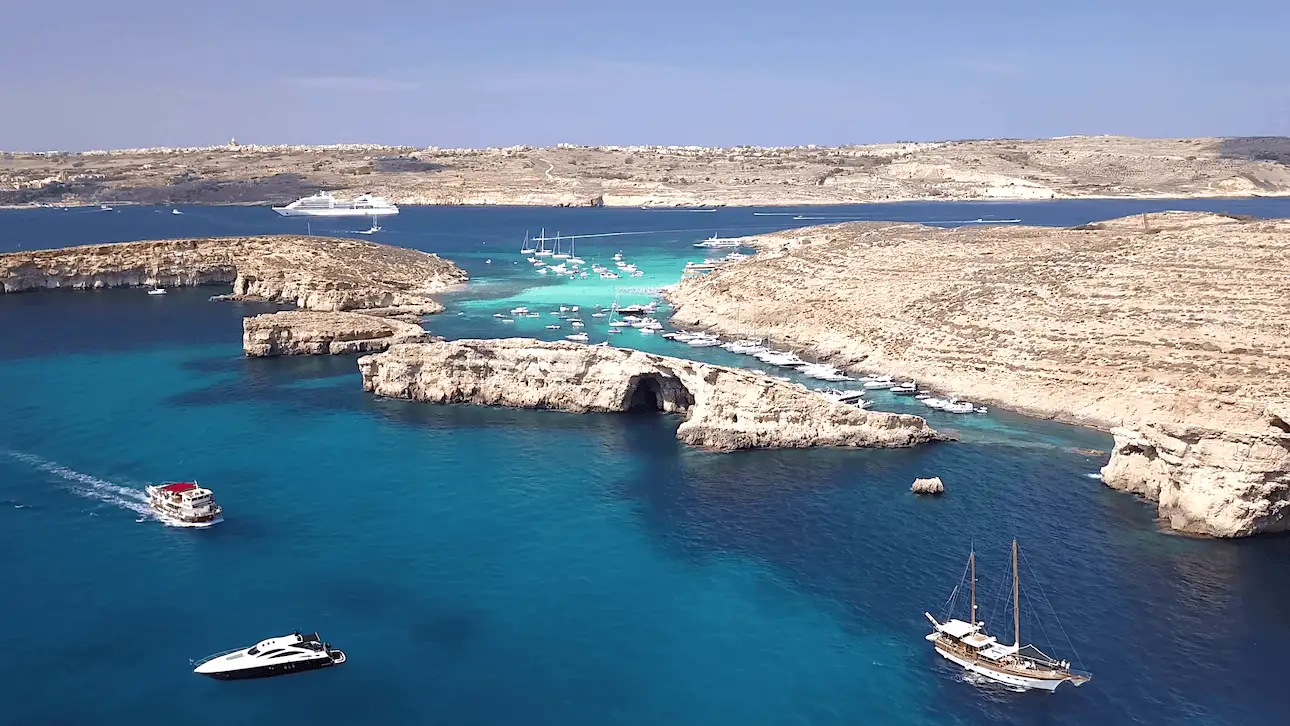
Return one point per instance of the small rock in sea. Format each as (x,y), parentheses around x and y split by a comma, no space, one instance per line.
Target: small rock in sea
(928,486)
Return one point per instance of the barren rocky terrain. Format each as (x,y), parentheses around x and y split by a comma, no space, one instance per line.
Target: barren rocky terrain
(314,273)
(725,409)
(665,176)
(1172,330)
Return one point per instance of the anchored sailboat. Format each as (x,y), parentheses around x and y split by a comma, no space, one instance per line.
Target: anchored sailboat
(1017,665)
(527,248)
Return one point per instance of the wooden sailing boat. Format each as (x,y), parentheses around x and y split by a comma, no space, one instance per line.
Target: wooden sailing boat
(1017,665)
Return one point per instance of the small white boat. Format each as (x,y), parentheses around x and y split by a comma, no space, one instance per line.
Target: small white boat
(527,248)
(959,407)
(905,389)
(880,383)
(157,291)
(520,310)
(175,211)
(577,337)
(553,326)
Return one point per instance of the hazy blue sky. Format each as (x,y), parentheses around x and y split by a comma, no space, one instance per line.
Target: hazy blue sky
(91,74)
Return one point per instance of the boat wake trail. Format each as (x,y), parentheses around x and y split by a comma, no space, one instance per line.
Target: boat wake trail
(90,487)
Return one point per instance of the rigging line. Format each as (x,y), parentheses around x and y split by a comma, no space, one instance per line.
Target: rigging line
(1048,641)
(1074,653)
(1002,590)
(949,604)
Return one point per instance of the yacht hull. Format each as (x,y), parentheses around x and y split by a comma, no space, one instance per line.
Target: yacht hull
(1007,679)
(274,669)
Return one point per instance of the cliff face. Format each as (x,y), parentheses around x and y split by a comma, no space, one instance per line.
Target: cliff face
(314,273)
(1174,326)
(324,333)
(725,408)
(1221,482)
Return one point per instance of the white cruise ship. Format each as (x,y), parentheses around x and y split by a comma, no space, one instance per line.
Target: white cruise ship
(323,204)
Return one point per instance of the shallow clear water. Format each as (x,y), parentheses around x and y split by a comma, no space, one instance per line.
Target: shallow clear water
(499,567)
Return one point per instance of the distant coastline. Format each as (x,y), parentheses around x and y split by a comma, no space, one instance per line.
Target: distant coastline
(1075,167)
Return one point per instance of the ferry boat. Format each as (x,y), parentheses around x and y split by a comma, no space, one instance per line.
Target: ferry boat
(1019,666)
(295,653)
(184,501)
(323,204)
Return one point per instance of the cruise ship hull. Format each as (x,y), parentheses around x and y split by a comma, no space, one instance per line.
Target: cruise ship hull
(287,212)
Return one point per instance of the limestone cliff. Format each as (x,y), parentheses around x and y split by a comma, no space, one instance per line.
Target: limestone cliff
(297,332)
(725,408)
(1172,325)
(1226,482)
(314,273)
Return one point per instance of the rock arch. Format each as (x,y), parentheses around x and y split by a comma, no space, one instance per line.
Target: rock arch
(656,393)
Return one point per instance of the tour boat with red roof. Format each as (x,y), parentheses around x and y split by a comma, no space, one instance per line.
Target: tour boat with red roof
(185,502)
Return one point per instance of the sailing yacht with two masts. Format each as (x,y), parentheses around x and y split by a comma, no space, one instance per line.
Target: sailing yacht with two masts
(1017,665)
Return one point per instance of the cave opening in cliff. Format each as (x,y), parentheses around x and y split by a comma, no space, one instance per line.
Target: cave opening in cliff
(653,393)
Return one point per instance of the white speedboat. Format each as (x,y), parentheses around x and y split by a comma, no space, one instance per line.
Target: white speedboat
(295,653)
(959,407)
(905,389)
(184,502)
(157,291)
(323,204)
(577,337)
(880,383)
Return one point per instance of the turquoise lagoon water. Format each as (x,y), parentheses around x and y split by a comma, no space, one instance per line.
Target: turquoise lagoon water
(485,566)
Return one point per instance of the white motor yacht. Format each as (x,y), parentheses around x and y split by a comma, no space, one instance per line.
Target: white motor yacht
(293,653)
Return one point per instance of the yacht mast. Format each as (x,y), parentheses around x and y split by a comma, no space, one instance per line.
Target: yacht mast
(1016,599)
(972,566)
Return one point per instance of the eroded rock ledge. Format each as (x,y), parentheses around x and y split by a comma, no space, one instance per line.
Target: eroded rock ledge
(300,332)
(314,273)
(725,408)
(1170,329)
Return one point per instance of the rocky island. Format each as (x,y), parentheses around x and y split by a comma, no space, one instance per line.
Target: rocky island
(1072,166)
(305,332)
(1171,330)
(725,409)
(312,273)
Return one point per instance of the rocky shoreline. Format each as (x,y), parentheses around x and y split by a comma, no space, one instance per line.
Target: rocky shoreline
(1169,330)
(312,273)
(725,409)
(303,332)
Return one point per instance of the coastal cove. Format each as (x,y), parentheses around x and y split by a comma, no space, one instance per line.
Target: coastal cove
(495,566)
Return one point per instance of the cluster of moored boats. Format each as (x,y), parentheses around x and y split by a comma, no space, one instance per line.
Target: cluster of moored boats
(568,264)
(640,317)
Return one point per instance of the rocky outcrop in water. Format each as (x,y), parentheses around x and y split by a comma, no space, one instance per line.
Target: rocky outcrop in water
(725,408)
(933,486)
(298,332)
(314,273)
(1171,328)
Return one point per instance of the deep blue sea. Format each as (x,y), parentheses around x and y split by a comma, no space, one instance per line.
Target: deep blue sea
(489,566)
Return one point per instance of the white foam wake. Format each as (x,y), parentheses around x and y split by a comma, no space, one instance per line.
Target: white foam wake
(91,487)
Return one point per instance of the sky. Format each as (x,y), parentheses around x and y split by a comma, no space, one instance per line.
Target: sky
(87,74)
